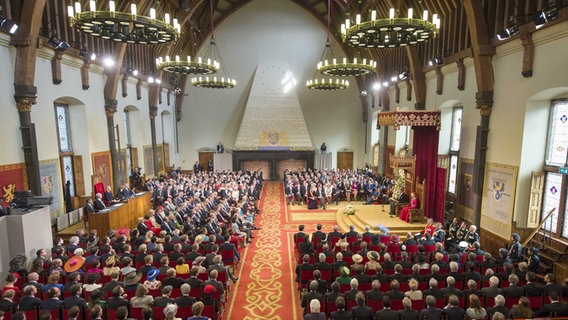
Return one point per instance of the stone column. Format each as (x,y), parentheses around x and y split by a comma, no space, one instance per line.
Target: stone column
(110,110)
(153,115)
(25,97)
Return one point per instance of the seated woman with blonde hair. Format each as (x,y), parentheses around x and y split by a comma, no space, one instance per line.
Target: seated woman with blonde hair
(315,311)
(413,293)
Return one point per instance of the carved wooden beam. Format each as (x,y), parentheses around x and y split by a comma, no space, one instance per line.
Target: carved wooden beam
(418,77)
(408,89)
(113,76)
(528,54)
(439,80)
(396,93)
(461,74)
(139,89)
(124,83)
(85,74)
(56,67)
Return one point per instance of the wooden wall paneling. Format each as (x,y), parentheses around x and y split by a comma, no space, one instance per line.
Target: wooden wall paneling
(134,157)
(78,174)
(491,242)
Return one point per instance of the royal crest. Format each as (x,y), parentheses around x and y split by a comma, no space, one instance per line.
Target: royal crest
(499,189)
(47,184)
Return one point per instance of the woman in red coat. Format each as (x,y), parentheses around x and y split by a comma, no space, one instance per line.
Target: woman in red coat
(405,212)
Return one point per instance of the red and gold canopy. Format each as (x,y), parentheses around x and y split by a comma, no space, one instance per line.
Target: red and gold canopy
(413,118)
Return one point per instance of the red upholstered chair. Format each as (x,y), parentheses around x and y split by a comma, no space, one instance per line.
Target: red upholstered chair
(99,188)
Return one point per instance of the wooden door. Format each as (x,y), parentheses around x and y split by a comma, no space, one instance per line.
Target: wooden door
(204,158)
(345,160)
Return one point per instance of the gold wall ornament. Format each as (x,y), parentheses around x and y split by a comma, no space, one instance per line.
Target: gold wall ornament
(25,104)
(484,110)
(110,111)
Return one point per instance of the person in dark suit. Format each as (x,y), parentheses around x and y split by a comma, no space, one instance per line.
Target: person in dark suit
(433,290)
(309,296)
(451,289)
(515,250)
(531,289)
(193,281)
(29,301)
(52,302)
(375,293)
(386,313)
(493,290)
(513,290)
(533,261)
(431,312)
(555,307)
(165,298)
(319,234)
(452,311)
(499,307)
(171,279)
(551,285)
(75,298)
(99,203)
(361,311)
(185,300)
(341,313)
(408,313)
(118,298)
(7,303)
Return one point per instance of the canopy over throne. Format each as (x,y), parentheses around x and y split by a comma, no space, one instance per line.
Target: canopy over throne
(426,126)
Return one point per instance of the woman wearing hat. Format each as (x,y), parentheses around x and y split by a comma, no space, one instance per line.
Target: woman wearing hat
(373,262)
(357,260)
(344,277)
(151,281)
(110,266)
(75,263)
(198,263)
(131,281)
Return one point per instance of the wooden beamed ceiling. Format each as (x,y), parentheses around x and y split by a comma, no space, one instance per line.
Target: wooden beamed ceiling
(194,15)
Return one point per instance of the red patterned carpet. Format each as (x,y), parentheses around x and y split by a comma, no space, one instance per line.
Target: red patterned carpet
(266,288)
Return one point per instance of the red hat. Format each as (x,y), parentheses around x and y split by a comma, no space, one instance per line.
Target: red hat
(209,289)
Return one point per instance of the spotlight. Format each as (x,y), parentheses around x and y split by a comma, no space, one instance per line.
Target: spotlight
(363,93)
(405,74)
(376,86)
(547,14)
(177,90)
(8,25)
(108,62)
(511,30)
(385,84)
(93,56)
(158,81)
(86,54)
(438,61)
(135,72)
(57,44)
(394,78)
(150,79)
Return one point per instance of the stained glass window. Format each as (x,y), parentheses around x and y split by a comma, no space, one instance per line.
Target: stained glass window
(456,129)
(558,135)
(63,134)
(552,193)
(454,148)
(453,174)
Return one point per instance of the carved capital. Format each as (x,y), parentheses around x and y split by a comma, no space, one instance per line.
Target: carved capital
(484,102)
(110,107)
(484,110)
(153,112)
(25,104)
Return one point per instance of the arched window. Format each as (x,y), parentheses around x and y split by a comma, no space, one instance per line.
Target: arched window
(454,149)
(65,145)
(556,181)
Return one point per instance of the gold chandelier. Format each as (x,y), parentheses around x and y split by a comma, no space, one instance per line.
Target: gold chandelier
(187,66)
(389,33)
(222,80)
(122,26)
(329,65)
(329,84)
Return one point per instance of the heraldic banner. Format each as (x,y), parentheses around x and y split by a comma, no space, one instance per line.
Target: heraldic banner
(498,199)
(12,179)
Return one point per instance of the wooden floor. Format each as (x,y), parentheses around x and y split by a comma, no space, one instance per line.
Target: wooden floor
(67,233)
(373,215)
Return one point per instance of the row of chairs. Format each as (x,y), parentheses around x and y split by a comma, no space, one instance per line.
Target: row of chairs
(134,313)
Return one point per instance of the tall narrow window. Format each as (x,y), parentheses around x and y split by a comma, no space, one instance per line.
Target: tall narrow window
(62,118)
(554,194)
(65,146)
(454,148)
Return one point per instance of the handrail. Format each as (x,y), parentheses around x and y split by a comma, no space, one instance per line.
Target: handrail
(538,228)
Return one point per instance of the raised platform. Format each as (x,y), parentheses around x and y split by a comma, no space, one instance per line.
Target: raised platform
(373,215)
